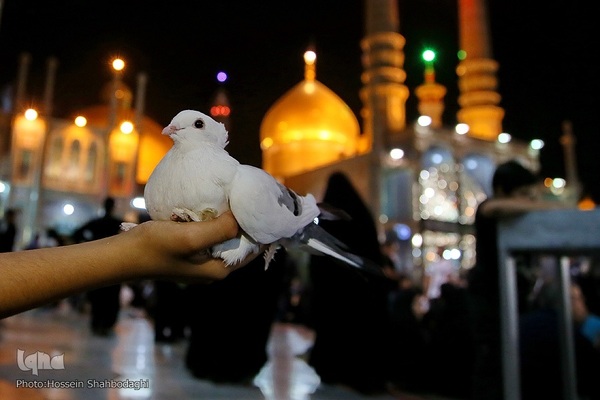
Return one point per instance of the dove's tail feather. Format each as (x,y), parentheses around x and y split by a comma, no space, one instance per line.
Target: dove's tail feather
(319,241)
(323,248)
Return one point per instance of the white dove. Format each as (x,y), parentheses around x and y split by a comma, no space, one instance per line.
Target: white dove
(198,180)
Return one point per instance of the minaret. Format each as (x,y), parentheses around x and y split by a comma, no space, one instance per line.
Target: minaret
(383,93)
(567,140)
(431,96)
(220,108)
(477,80)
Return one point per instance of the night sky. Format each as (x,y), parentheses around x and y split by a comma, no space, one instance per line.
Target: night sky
(545,50)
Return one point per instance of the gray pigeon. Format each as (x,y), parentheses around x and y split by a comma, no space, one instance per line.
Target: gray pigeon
(198,180)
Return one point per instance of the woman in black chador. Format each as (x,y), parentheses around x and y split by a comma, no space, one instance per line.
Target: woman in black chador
(349,308)
(230,322)
(104,301)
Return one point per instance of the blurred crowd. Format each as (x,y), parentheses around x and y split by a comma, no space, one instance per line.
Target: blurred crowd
(436,334)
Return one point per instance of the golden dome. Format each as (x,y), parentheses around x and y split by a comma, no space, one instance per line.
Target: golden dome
(309,126)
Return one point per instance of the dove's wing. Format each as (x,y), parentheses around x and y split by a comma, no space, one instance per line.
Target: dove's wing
(266,210)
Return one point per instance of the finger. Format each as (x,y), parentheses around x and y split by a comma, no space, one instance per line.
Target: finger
(201,235)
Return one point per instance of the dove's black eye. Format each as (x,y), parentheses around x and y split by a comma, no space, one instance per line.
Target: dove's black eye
(199,124)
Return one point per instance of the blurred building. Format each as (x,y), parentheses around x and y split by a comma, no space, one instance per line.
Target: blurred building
(422,179)
(58,171)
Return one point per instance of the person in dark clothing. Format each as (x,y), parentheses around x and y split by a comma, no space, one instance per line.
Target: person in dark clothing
(8,231)
(350,308)
(410,349)
(168,311)
(105,301)
(451,346)
(514,192)
(228,340)
(539,351)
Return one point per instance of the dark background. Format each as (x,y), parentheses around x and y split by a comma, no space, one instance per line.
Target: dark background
(546,51)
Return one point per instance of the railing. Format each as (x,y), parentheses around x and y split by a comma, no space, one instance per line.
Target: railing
(559,233)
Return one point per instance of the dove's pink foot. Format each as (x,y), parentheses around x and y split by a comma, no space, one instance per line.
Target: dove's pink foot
(184,215)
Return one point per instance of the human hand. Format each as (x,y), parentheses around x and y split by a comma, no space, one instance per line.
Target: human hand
(180,250)
(578,307)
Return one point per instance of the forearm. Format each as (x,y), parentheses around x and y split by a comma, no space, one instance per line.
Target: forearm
(155,249)
(35,277)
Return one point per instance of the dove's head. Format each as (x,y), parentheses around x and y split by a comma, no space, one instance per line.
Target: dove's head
(190,126)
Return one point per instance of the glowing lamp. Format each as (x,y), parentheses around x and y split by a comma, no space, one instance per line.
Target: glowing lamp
(221,76)
(118,64)
(80,121)
(428,55)
(220,111)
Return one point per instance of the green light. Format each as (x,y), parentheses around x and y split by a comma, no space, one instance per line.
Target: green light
(461,55)
(429,55)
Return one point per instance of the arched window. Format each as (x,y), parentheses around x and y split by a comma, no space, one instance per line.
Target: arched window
(92,163)
(73,162)
(53,164)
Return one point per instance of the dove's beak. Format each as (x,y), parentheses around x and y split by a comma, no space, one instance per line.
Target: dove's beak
(169,130)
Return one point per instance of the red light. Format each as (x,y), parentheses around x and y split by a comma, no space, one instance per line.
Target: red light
(216,111)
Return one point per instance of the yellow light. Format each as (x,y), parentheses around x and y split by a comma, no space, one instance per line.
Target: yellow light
(118,64)
(31,114)
(310,57)
(430,256)
(266,143)
(80,121)
(309,88)
(126,127)
(325,135)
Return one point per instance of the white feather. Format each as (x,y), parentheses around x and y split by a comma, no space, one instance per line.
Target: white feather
(321,247)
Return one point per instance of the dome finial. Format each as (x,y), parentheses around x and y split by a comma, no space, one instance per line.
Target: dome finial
(310,58)
(428,56)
